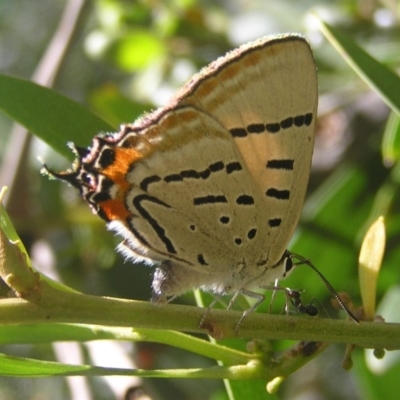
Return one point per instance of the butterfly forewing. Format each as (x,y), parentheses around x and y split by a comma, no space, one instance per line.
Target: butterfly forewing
(265,95)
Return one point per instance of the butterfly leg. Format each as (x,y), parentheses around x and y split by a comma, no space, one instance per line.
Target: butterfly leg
(259,299)
(233,299)
(212,304)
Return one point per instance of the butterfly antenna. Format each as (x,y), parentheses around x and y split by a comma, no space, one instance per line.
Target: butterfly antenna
(328,285)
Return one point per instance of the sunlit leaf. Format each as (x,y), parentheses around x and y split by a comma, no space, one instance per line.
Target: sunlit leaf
(384,81)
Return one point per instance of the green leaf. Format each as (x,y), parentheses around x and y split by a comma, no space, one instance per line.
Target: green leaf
(382,80)
(48,114)
(391,140)
(24,367)
(109,102)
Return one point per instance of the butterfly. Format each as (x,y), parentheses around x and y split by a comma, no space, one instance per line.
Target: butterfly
(209,189)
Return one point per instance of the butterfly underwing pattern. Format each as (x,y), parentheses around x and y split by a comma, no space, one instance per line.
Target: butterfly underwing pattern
(209,189)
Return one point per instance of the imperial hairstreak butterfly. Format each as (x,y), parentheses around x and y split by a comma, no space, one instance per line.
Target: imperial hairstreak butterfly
(209,189)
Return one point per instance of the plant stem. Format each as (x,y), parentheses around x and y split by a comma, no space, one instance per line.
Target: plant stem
(77,308)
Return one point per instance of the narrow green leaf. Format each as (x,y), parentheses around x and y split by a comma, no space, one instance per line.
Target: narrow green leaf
(28,367)
(391,140)
(384,81)
(48,114)
(24,367)
(7,226)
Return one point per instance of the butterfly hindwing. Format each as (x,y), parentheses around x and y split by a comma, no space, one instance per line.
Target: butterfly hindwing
(204,215)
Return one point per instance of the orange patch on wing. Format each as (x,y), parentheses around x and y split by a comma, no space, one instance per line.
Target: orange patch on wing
(114,210)
(118,170)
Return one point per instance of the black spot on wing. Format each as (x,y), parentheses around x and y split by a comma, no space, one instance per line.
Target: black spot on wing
(205,174)
(251,234)
(233,166)
(238,241)
(256,128)
(209,199)
(278,194)
(217,166)
(308,119)
(224,220)
(201,260)
(238,132)
(273,128)
(274,222)
(245,200)
(286,164)
(286,123)
(299,120)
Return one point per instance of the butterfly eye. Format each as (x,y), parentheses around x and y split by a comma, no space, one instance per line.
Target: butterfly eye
(85,179)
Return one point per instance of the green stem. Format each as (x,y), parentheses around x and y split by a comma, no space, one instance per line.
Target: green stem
(45,303)
(56,306)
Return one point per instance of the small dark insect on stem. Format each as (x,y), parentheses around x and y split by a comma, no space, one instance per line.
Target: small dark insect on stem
(295,298)
(302,260)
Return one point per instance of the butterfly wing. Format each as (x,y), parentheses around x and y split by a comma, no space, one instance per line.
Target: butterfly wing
(212,186)
(265,94)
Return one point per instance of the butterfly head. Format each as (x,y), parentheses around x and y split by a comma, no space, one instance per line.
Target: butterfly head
(84,175)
